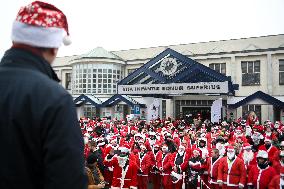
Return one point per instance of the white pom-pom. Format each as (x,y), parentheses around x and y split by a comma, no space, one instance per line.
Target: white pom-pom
(67,40)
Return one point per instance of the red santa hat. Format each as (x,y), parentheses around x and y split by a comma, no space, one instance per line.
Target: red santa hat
(230,149)
(125,148)
(197,150)
(41,24)
(157,144)
(262,154)
(267,138)
(246,146)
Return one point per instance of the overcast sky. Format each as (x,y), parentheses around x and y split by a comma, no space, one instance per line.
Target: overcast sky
(131,24)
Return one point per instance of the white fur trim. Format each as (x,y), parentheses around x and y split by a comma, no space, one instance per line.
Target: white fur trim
(48,37)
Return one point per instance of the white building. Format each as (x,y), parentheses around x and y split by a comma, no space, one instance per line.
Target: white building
(254,64)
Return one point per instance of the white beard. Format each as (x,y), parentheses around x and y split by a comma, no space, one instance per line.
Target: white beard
(231,155)
(248,156)
(152,142)
(248,131)
(122,161)
(221,148)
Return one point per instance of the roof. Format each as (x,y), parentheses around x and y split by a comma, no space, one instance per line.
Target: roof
(100,52)
(82,99)
(187,71)
(192,49)
(205,48)
(258,95)
(115,99)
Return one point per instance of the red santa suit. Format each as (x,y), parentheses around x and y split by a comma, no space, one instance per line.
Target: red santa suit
(212,168)
(277,182)
(180,161)
(144,162)
(248,156)
(231,173)
(124,177)
(260,177)
(272,150)
(154,172)
(164,164)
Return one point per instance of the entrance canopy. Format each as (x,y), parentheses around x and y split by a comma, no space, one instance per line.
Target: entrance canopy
(259,95)
(173,73)
(83,99)
(115,99)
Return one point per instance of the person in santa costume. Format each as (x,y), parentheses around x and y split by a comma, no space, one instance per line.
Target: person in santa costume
(212,167)
(232,171)
(125,169)
(248,156)
(154,172)
(178,139)
(271,150)
(179,163)
(277,181)
(260,175)
(277,164)
(165,168)
(144,162)
(195,168)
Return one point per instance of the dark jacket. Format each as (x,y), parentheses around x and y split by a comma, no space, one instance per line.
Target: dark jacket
(40,139)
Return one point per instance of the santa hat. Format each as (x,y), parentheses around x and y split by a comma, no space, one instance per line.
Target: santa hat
(230,149)
(197,150)
(281,153)
(267,138)
(262,154)
(125,148)
(41,24)
(246,146)
(157,144)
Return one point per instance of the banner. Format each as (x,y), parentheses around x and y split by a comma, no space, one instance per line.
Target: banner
(175,88)
(216,110)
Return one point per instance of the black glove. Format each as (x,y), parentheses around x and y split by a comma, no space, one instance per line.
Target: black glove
(140,171)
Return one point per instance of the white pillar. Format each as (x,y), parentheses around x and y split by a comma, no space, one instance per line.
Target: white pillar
(80,111)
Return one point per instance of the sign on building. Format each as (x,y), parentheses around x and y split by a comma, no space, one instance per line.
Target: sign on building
(175,88)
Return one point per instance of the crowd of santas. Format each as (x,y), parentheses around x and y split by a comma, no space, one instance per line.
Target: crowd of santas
(174,154)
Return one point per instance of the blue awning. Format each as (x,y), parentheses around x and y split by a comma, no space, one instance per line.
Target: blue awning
(83,99)
(259,95)
(115,99)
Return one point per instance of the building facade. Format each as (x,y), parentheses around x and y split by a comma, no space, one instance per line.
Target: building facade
(252,67)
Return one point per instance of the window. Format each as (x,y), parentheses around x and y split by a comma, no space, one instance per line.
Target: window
(68,81)
(219,67)
(250,73)
(89,111)
(129,71)
(247,109)
(281,72)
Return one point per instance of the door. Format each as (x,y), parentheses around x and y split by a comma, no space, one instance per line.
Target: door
(192,112)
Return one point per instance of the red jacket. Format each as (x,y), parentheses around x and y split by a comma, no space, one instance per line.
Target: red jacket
(260,178)
(234,175)
(271,151)
(144,163)
(275,183)
(184,164)
(123,178)
(165,163)
(277,166)
(213,170)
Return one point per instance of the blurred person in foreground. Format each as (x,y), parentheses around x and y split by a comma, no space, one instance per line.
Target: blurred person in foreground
(40,138)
